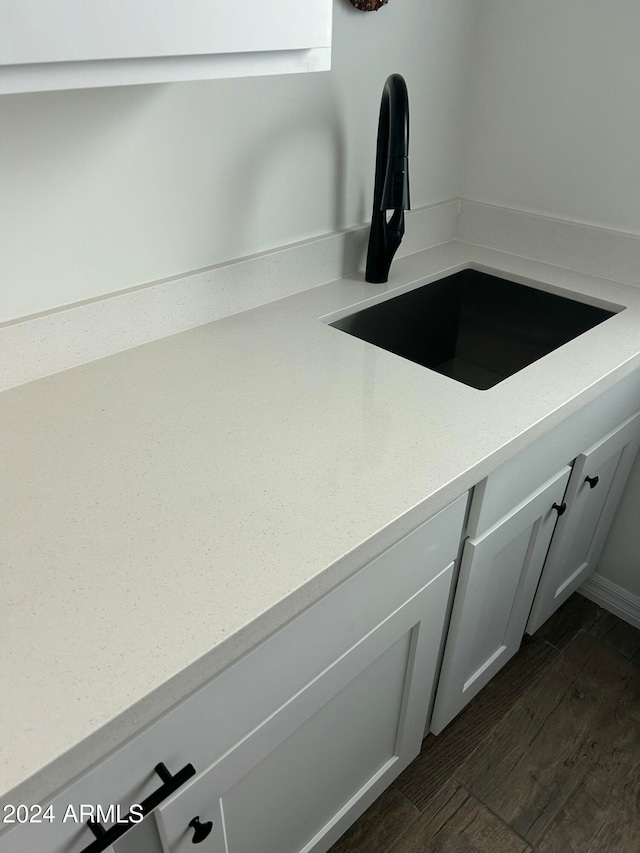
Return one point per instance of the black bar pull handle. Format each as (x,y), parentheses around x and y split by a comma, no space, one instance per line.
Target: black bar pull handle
(560,508)
(593,481)
(104,838)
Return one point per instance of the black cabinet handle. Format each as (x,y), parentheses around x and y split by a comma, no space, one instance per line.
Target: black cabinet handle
(593,481)
(560,508)
(106,837)
(200,830)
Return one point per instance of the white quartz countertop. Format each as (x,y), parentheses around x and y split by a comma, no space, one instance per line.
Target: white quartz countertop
(166,508)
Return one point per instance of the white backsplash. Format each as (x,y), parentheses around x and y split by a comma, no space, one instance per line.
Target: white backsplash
(40,345)
(597,251)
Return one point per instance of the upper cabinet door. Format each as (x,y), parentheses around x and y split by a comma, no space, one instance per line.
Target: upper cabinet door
(64,43)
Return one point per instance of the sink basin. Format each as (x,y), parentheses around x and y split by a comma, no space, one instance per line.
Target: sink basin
(473,327)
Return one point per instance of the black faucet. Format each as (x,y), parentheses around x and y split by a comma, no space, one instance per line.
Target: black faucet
(391,188)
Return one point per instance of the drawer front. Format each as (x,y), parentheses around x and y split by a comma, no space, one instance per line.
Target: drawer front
(214,719)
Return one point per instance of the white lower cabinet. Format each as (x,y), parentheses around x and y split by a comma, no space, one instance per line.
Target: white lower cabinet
(296,739)
(498,577)
(295,782)
(597,481)
(297,779)
(521,565)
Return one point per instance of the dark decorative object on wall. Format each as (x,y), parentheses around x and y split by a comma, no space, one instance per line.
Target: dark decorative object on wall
(368,5)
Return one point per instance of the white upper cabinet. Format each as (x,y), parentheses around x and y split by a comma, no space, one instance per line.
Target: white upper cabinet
(60,44)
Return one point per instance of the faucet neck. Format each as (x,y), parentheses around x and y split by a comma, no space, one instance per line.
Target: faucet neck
(391,186)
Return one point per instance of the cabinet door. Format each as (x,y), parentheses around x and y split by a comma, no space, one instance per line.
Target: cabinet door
(498,578)
(593,493)
(298,780)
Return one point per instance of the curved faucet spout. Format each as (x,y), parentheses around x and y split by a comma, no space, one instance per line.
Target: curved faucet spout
(391,187)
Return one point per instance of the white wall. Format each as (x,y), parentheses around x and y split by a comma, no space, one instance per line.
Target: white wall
(554,125)
(107,189)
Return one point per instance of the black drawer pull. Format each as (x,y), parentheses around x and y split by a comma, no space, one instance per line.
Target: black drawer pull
(106,837)
(560,508)
(593,481)
(200,830)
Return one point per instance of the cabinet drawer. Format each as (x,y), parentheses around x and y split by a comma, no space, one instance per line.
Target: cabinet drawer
(217,717)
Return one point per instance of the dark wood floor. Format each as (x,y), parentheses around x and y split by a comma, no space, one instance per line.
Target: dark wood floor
(546,758)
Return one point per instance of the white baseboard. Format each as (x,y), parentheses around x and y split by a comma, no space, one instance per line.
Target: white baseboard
(613,598)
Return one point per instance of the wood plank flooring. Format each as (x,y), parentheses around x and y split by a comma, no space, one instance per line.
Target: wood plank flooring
(546,758)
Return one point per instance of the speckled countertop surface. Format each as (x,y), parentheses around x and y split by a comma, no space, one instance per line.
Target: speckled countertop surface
(166,508)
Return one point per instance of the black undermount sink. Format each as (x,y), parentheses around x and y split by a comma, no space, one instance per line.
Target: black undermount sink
(473,327)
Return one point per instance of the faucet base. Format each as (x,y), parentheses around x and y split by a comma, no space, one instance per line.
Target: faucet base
(384,240)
